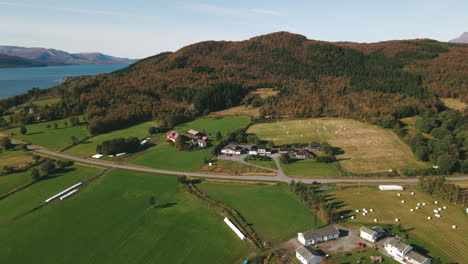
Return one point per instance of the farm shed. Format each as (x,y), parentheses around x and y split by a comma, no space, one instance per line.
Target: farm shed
(306,255)
(391,188)
(319,235)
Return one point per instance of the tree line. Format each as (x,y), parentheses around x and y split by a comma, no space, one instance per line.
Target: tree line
(440,189)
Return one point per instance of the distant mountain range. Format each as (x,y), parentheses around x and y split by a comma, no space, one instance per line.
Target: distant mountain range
(462,39)
(49,57)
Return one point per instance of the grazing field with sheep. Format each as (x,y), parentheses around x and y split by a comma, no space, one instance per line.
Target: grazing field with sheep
(367,148)
(435,235)
(115,220)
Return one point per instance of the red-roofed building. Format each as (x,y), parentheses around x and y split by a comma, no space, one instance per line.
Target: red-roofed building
(172,135)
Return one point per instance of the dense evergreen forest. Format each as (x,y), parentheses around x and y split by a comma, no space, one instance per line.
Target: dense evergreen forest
(379,83)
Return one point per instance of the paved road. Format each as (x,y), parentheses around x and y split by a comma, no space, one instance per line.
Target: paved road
(281,177)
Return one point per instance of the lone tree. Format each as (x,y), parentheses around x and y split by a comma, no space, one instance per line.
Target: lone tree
(153,130)
(74,140)
(285,158)
(152,201)
(219,136)
(23,130)
(5,143)
(55,125)
(35,175)
(48,167)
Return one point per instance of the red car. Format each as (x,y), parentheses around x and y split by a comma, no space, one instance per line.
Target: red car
(314,182)
(362,245)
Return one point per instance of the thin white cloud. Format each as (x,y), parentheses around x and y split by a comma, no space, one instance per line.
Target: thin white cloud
(265,12)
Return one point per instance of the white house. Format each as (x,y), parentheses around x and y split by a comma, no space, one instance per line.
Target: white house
(397,249)
(232,149)
(319,235)
(371,234)
(253,150)
(263,150)
(306,255)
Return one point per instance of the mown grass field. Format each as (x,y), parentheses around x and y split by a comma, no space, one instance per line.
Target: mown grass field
(265,163)
(88,147)
(15,158)
(111,221)
(50,138)
(275,214)
(367,148)
(310,168)
(165,156)
(435,235)
(454,104)
(237,111)
(34,195)
(44,102)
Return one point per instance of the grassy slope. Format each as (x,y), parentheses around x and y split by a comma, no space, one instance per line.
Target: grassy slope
(268,163)
(111,222)
(365,146)
(88,147)
(363,257)
(305,168)
(274,212)
(53,139)
(12,181)
(434,235)
(35,194)
(165,156)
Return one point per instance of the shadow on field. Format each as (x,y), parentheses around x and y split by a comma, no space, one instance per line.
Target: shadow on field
(58,173)
(167,205)
(35,133)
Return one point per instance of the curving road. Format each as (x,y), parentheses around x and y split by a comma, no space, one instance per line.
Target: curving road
(281,176)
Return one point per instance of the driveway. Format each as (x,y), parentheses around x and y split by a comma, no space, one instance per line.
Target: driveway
(240,159)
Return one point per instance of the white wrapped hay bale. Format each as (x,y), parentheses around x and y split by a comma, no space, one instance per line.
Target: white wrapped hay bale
(397,220)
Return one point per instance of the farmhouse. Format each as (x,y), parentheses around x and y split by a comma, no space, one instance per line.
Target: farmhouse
(199,143)
(286,150)
(313,146)
(253,150)
(304,154)
(263,150)
(172,135)
(319,235)
(371,234)
(233,149)
(404,253)
(194,133)
(306,255)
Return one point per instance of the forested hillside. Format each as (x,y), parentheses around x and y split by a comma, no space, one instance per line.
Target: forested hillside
(377,82)
(17,62)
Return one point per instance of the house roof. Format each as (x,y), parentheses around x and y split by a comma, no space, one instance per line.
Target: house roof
(397,243)
(306,252)
(378,229)
(193,132)
(416,256)
(313,234)
(314,145)
(368,230)
(232,146)
(303,152)
(262,147)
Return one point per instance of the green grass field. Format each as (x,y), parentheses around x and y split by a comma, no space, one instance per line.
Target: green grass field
(363,257)
(367,148)
(50,138)
(264,163)
(275,214)
(111,221)
(34,195)
(165,156)
(11,181)
(88,147)
(233,167)
(44,102)
(307,168)
(435,235)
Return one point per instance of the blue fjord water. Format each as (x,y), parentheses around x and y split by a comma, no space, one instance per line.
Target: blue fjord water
(14,81)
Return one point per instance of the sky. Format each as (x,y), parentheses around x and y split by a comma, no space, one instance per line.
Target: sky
(141,28)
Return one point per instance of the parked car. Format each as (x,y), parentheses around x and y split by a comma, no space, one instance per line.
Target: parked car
(362,245)
(315,182)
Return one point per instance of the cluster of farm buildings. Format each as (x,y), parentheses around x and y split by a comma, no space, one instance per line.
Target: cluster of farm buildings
(392,246)
(308,151)
(196,138)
